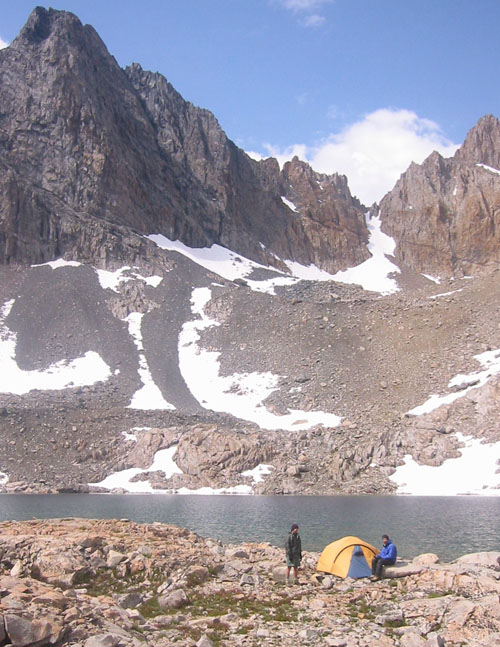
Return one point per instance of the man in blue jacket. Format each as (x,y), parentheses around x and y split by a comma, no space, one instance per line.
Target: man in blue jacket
(386,557)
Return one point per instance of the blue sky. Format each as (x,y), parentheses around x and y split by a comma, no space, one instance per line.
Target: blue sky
(360,87)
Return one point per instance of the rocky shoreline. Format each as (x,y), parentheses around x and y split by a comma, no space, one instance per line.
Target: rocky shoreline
(116,583)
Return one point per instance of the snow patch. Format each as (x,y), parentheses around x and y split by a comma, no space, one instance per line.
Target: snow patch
(82,371)
(489,168)
(258,472)
(374,273)
(240,394)
(163,462)
(148,397)
(445,294)
(60,262)
(434,279)
(112,280)
(490,360)
(225,263)
(475,472)
(289,204)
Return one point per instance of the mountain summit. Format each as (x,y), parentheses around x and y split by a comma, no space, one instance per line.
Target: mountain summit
(83,138)
(445,213)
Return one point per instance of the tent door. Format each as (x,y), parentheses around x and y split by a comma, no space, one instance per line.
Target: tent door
(359,566)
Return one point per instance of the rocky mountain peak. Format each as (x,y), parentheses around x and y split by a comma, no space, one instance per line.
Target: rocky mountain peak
(482,144)
(123,148)
(443,212)
(51,28)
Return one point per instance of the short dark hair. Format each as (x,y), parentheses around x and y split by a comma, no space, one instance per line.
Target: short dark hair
(294,526)
(385,536)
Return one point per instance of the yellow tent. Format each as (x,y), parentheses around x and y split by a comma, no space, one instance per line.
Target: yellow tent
(347,557)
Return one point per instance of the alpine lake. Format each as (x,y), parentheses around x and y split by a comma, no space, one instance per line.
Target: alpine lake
(447,526)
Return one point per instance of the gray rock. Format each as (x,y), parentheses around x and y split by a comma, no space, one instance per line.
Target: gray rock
(204,641)
(247,580)
(174,600)
(103,640)
(129,600)
(22,631)
(239,553)
(413,639)
(114,558)
(393,616)
(279,574)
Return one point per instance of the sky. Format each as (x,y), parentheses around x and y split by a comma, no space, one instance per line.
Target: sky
(359,87)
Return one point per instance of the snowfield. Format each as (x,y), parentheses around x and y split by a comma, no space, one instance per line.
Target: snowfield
(243,394)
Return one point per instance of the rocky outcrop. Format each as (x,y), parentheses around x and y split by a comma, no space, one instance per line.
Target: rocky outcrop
(124,583)
(482,144)
(445,213)
(84,142)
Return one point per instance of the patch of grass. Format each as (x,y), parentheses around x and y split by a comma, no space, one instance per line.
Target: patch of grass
(151,608)
(440,594)
(362,610)
(106,582)
(393,624)
(216,604)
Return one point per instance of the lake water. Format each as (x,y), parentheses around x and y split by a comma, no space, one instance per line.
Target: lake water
(447,526)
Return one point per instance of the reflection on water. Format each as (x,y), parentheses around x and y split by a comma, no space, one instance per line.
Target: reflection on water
(447,526)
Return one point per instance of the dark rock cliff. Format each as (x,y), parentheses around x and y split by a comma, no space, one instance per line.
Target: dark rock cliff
(84,142)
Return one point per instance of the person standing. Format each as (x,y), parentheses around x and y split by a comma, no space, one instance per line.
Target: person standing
(386,557)
(293,552)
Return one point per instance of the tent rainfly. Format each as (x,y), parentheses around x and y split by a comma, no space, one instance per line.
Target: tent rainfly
(347,557)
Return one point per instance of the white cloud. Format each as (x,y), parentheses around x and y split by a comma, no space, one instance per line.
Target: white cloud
(255,155)
(303,5)
(314,20)
(373,152)
(3,44)
(306,8)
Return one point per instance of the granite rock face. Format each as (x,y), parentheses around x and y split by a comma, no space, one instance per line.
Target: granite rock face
(83,141)
(445,213)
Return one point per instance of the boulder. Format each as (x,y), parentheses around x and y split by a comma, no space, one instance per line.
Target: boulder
(279,574)
(425,559)
(489,559)
(412,639)
(236,553)
(129,600)
(204,641)
(102,640)
(196,575)
(23,632)
(402,569)
(173,600)
(114,558)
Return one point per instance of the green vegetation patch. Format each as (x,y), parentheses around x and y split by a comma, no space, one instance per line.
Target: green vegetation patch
(278,609)
(362,610)
(440,594)
(106,582)
(223,602)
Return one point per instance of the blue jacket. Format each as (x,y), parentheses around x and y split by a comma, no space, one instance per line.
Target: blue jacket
(389,551)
